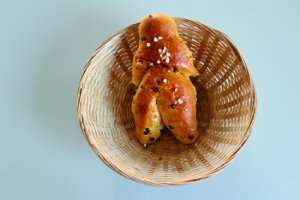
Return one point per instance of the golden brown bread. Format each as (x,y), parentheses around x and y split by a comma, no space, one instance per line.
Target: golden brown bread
(164,29)
(165,95)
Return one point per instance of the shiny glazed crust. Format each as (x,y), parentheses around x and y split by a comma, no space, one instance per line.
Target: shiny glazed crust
(165,95)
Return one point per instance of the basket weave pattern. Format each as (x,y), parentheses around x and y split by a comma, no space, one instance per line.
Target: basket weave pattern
(225,109)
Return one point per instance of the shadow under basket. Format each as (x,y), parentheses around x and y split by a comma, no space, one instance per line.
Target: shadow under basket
(225,109)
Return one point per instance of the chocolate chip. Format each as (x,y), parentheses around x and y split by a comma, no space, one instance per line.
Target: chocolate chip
(173,105)
(147,131)
(152,139)
(191,137)
(143,38)
(155,89)
(132,92)
(171,127)
(175,70)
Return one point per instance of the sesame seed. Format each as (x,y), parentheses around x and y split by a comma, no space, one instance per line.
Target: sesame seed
(139,63)
(159,37)
(179,101)
(176,89)
(148,44)
(159,50)
(185,109)
(168,54)
(155,39)
(163,57)
(150,64)
(164,80)
(158,62)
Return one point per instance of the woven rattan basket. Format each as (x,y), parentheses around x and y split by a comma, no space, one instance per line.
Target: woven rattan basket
(226,109)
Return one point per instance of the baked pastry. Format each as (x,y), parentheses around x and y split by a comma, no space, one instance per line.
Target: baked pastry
(161,70)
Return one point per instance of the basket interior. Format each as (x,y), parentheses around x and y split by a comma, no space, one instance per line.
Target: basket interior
(225,109)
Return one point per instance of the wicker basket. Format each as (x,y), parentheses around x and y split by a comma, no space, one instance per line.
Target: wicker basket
(225,109)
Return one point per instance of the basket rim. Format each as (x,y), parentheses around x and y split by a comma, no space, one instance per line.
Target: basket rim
(212,171)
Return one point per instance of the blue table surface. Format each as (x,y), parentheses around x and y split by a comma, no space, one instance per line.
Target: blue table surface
(43,48)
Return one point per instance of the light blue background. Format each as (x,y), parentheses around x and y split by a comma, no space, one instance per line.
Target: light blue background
(43,48)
